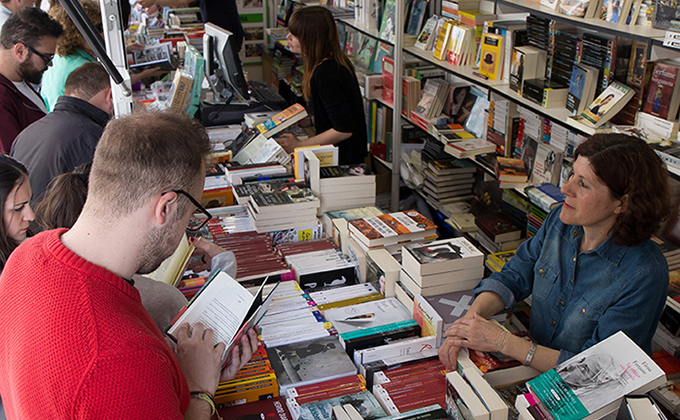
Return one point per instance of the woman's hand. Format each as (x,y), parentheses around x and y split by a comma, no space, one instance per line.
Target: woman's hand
(473,332)
(241,354)
(288,141)
(206,249)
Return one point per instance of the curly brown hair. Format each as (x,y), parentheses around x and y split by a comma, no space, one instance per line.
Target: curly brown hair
(72,40)
(628,166)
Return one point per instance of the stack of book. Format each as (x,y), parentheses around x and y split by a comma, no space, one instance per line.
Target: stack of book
(535,220)
(546,196)
(449,178)
(468,148)
(391,230)
(255,256)
(373,323)
(467,392)
(255,381)
(432,101)
(243,192)
(497,232)
(283,210)
(362,401)
(444,266)
(306,395)
(236,172)
(321,269)
(399,390)
(670,251)
(292,317)
(335,223)
(341,187)
(503,125)
(511,173)
(344,296)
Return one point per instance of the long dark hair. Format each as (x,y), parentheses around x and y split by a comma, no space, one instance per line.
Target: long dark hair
(64,199)
(315,28)
(12,174)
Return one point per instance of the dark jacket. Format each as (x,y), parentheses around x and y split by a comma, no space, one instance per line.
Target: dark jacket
(60,141)
(16,113)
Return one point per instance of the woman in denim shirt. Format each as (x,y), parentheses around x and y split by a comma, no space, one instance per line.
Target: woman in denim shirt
(591,269)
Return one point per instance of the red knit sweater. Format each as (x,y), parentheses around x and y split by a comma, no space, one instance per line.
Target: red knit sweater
(76,342)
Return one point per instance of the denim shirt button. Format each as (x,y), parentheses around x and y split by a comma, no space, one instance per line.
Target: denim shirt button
(553,323)
(541,271)
(583,311)
(562,303)
(574,259)
(571,281)
(574,232)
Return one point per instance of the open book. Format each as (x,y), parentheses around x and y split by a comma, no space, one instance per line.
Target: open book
(170,271)
(226,307)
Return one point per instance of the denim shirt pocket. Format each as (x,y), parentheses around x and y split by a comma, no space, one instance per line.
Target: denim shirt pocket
(582,320)
(545,278)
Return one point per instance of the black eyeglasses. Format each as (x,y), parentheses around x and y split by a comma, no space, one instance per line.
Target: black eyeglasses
(195,224)
(46,58)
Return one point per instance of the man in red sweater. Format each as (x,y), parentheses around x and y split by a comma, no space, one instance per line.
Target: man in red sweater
(76,342)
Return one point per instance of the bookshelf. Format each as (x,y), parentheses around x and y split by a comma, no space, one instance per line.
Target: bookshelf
(653,37)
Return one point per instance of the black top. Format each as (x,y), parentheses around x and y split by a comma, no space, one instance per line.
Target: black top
(60,141)
(224,14)
(336,103)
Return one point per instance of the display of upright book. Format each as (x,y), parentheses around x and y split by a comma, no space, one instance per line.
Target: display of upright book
(223,298)
(547,165)
(607,104)
(591,384)
(491,56)
(663,93)
(582,87)
(442,40)
(527,63)
(427,36)
(282,120)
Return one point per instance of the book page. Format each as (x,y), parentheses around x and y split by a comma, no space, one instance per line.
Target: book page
(221,306)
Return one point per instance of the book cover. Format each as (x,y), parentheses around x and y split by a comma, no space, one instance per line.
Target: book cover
(366,52)
(427,35)
(498,227)
(391,228)
(261,201)
(365,317)
(595,380)
(582,84)
(270,409)
(156,55)
(491,57)
(364,402)
(282,120)
(576,8)
(517,70)
(510,170)
(547,165)
(310,361)
(442,40)
(440,256)
(660,91)
(607,104)
(416,19)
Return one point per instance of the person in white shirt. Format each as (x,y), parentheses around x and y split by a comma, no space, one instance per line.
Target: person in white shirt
(7,7)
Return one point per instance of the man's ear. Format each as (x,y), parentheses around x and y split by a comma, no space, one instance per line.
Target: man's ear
(20,51)
(164,207)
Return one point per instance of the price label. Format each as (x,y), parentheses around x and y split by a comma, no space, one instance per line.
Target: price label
(672,39)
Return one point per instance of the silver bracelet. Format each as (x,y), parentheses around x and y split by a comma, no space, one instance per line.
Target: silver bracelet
(530,355)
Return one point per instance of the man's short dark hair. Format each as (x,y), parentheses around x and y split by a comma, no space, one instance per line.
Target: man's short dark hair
(29,26)
(86,81)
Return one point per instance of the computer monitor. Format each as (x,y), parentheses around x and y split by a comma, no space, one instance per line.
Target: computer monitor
(223,61)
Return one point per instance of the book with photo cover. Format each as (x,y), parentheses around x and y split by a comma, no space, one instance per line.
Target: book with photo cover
(427,35)
(663,96)
(440,256)
(310,361)
(156,55)
(491,56)
(289,199)
(593,382)
(607,104)
(582,85)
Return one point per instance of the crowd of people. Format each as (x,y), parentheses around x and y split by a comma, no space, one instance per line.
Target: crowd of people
(81,324)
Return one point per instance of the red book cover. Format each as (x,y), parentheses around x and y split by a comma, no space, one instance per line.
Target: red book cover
(436,398)
(388,79)
(417,367)
(660,91)
(325,385)
(328,394)
(269,409)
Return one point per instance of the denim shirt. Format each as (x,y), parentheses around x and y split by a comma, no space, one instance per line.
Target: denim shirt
(579,299)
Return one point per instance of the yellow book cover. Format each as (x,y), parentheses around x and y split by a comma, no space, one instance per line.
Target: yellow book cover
(442,40)
(491,57)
